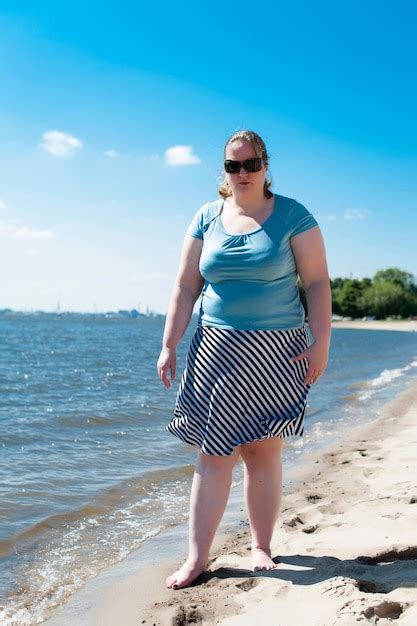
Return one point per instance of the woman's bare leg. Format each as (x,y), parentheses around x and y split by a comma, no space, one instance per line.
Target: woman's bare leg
(263,491)
(209,494)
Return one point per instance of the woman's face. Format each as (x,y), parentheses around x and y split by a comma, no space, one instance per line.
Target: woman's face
(244,183)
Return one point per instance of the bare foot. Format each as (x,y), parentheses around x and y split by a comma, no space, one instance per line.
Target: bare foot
(185,574)
(261,560)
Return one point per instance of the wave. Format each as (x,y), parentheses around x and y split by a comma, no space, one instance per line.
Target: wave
(386,377)
(146,490)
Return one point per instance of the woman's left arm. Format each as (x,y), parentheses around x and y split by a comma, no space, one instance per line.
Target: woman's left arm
(310,259)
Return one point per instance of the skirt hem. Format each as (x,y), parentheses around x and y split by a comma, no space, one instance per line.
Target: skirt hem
(291,428)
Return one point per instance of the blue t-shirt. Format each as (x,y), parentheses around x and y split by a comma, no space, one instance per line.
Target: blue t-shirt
(250,278)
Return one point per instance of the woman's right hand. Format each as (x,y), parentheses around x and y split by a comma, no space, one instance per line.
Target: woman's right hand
(167,362)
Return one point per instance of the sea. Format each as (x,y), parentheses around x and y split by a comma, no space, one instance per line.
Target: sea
(88,472)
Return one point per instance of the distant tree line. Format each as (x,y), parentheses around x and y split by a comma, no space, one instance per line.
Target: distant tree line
(389,293)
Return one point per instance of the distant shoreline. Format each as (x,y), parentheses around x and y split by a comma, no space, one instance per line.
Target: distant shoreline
(402,325)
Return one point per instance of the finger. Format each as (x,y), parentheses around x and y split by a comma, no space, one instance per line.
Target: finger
(298,357)
(309,377)
(314,377)
(172,370)
(164,377)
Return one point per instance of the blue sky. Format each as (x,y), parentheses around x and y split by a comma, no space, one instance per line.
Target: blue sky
(113,120)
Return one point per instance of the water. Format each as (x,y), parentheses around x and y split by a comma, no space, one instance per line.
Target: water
(88,472)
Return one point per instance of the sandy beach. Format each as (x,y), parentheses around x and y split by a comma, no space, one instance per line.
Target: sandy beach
(404,325)
(345,542)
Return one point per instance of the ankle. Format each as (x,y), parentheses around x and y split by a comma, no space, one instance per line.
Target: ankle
(261,547)
(197,560)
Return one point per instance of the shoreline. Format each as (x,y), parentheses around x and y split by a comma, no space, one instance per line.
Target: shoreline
(400,325)
(354,507)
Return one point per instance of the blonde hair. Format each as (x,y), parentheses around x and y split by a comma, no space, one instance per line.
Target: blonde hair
(258,145)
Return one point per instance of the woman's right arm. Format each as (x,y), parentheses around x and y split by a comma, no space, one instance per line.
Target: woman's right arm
(187,288)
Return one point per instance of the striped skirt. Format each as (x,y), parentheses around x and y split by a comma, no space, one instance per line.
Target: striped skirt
(240,386)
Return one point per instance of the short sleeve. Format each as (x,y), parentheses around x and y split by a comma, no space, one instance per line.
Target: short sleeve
(302,220)
(196,226)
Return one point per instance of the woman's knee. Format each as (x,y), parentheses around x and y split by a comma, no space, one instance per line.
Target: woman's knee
(266,451)
(216,463)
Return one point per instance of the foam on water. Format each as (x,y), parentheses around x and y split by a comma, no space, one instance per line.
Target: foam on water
(385,378)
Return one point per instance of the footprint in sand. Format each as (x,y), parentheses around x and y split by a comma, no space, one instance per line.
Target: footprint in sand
(248,584)
(389,610)
(381,609)
(293,521)
(186,616)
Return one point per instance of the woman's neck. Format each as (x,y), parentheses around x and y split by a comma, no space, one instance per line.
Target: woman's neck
(249,205)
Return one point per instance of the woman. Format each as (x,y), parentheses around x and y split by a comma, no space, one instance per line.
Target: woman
(251,361)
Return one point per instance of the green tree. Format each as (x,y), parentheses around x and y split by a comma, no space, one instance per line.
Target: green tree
(382,299)
(349,298)
(336,284)
(390,292)
(396,277)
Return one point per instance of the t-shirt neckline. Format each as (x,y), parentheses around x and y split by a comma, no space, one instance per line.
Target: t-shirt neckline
(249,232)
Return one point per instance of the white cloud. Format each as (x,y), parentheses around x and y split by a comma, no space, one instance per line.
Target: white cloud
(9,231)
(60,144)
(111,154)
(356,214)
(181,155)
(2,204)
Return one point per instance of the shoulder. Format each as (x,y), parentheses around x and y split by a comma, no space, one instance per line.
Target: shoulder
(293,207)
(210,210)
(299,218)
(203,217)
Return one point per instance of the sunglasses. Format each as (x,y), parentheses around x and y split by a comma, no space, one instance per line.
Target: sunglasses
(250,165)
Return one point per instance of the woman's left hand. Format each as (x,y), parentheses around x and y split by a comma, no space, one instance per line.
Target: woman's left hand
(317,356)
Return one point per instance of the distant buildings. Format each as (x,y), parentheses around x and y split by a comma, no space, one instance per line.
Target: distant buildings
(121,313)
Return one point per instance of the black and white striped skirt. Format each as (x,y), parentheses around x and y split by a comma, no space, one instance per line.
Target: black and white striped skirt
(240,386)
